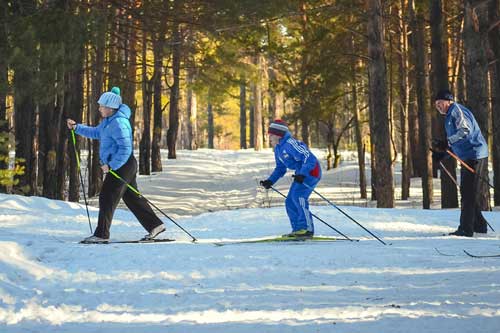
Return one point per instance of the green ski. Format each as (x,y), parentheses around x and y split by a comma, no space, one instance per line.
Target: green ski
(283,239)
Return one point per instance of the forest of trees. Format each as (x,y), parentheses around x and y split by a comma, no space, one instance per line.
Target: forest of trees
(350,74)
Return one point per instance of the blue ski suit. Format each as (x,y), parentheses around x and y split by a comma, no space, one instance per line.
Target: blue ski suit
(115,137)
(464,134)
(293,154)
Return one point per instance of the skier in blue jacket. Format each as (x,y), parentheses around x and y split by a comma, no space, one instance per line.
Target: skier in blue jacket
(115,152)
(465,139)
(293,154)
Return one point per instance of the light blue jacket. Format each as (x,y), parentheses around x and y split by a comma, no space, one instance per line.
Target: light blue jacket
(463,133)
(115,136)
(293,154)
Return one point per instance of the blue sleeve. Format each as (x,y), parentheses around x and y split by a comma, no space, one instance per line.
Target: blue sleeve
(300,152)
(89,131)
(279,170)
(462,125)
(122,136)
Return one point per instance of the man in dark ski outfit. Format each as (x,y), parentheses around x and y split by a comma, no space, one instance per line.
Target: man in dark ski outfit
(115,152)
(466,141)
(293,154)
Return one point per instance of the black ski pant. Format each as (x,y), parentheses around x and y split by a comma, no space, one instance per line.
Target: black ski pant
(113,190)
(471,217)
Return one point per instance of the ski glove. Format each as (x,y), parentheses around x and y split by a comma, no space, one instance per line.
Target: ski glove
(299,178)
(440,145)
(267,184)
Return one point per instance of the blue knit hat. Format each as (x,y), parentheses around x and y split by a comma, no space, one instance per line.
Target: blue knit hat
(111,99)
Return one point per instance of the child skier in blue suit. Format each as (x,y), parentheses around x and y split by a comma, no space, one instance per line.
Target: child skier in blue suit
(293,154)
(115,152)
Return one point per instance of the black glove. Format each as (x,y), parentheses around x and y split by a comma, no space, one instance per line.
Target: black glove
(439,155)
(299,178)
(439,145)
(267,184)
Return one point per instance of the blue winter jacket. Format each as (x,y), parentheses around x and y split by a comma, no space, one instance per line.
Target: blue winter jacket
(463,133)
(115,136)
(293,154)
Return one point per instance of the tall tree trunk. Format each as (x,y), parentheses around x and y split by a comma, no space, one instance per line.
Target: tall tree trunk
(403,103)
(378,103)
(173,126)
(147,90)
(303,84)
(423,103)
(439,74)
(211,127)
(24,66)
(494,39)
(257,93)
(243,114)
(476,73)
(4,128)
(50,117)
(192,112)
(73,107)
(97,82)
(251,120)
(157,107)
(357,123)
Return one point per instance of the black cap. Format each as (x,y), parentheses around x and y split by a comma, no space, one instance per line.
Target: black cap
(444,94)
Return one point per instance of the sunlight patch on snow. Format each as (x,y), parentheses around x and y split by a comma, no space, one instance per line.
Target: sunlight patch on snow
(57,315)
(409,270)
(486,312)
(6,298)
(12,254)
(129,276)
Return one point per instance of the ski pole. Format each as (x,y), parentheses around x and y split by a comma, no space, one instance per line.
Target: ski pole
(456,183)
(284,196)
(117,176)
(81,178)
(345,214)
(468,167)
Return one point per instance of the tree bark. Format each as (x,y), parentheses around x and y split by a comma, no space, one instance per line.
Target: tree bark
(211,129)
(147,90)
(257,93)
(494,39)
(24,67)
(357,124)
(378,103)
(476,74)
(97,83)
(243,114)
(423,103)
(192,112)
(439,75)
(173,126)
(157,107)
(4,128)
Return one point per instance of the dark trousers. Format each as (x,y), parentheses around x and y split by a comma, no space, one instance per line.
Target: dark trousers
(113,190)
(471,217)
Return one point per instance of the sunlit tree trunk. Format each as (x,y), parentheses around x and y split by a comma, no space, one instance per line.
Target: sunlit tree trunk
(476,73)
(380,134)
(439,74)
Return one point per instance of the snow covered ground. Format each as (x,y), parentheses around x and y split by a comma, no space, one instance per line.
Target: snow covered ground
(50,283)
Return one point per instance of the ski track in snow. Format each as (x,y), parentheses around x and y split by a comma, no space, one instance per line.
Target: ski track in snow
(50,283)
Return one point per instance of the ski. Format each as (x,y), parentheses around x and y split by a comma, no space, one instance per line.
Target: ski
(138,241)
(481,256)
(445,254)
(283,239)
